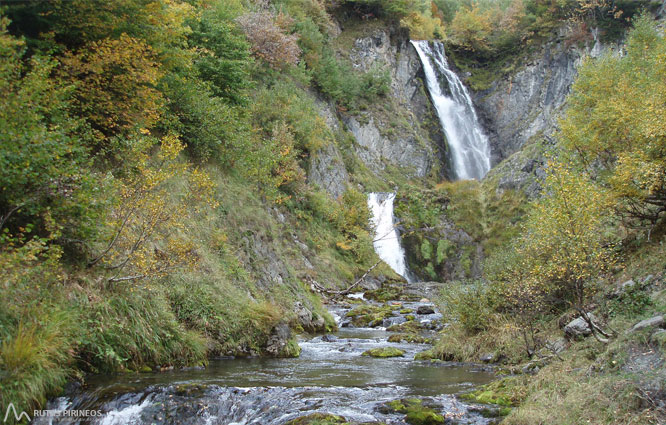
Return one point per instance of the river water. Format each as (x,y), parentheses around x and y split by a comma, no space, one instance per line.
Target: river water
(330,376)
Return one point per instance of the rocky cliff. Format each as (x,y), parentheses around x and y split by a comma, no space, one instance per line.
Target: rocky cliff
(396,139)
(520,110)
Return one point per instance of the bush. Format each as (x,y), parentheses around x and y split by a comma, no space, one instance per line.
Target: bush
(470,305)
(268,32)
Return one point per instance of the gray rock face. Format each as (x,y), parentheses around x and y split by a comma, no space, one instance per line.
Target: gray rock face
(327,170)
(524,108)
(408,135)
(373,148)
(652,322)
(527,103)
(278,339)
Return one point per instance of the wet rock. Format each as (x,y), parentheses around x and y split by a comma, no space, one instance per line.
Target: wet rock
(652,322)
(329,338)
(318,418)
(488,358)
(416,411)
(425,309)
(303,314)
(384,352)
(278,339)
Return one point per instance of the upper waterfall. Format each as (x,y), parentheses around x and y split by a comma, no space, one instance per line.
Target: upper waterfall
(467,142)
(386,239)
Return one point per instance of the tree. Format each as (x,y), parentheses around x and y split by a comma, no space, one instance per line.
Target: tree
(115,83)
(46,186)
(146,224)
(471,29)
(564,248)
(268,32)
(224,56)
(616,123)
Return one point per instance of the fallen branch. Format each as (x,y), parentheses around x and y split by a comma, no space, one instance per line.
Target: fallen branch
(346,291)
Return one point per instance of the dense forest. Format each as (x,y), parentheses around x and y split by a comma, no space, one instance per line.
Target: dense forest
(158,206)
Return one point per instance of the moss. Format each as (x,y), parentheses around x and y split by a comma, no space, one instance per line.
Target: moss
(318,419)
(487,397)
(291,349)
(416,411)
(369,315)
(425,355)
(389,291)
(384,352)
(411,326)
(406,311)
(409,337)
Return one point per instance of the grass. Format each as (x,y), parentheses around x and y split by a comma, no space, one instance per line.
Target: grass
(60,321)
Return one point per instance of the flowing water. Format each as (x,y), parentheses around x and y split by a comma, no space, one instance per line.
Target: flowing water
(386,239)
(330,376)
(469,146)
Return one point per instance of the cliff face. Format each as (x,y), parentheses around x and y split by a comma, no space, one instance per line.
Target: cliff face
(520,111)
(396,139)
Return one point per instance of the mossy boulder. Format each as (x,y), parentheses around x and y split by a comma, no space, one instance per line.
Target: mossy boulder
(425,355)
(409,337)
(486,396)
(384,352)
(412,326)
(415,410)
(369,315)
(318,419)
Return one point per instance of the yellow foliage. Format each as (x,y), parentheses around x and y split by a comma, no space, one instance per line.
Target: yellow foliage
(149,231)
(115,81)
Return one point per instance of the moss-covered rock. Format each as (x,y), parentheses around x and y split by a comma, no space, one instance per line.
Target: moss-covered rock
(367,315)
(416,411)
(409,337)
(318,419)
(384,352)
(425,355)
(411,326)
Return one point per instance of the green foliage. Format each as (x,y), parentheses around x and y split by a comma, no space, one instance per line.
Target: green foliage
(622,139)
(225,56)
(126,331)
(419,17)
(347,87)
(631,302)
(468,304)
(47,188)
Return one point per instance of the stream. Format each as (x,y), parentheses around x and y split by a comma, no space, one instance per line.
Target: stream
(331,376)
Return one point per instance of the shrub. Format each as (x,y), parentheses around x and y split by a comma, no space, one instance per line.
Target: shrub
(268,33)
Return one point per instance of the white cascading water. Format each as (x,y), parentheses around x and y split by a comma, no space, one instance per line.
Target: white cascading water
(469,146)
(386,239)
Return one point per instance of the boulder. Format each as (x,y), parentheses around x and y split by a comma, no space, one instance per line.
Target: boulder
(488,357)
(278,339)
(579,327)
(425,309)
(652,322)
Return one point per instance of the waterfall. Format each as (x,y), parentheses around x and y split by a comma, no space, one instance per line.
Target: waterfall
(386,239)
(468,145)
